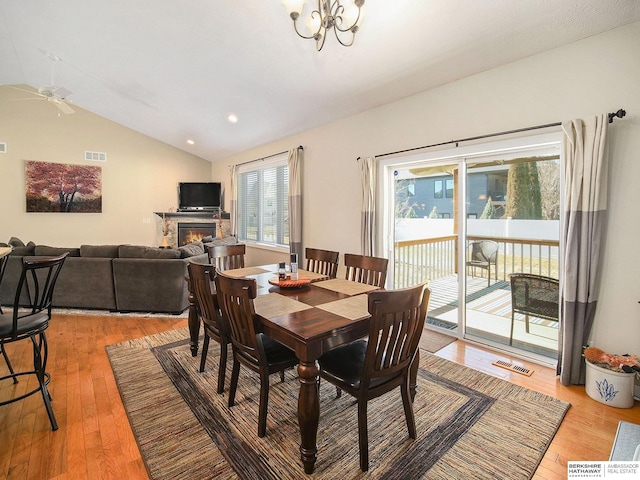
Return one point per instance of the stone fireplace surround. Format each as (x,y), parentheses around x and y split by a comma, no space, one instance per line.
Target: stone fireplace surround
(172,219)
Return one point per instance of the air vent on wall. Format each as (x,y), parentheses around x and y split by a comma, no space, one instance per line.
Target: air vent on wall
(95,156)
(3,147)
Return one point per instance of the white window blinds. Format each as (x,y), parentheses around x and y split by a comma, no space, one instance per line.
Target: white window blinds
(263,204)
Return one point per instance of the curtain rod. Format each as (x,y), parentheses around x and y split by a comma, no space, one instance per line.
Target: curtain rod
(619,114)
(300,147)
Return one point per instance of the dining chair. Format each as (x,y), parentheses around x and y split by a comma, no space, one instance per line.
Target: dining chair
(534,295)
(367,369)
(202,277)
(320,261)
(30,321)
(484,254)
(227,257)
(251,348)
(3,265)
(366,269)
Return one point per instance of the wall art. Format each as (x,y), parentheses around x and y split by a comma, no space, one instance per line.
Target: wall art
(62,187)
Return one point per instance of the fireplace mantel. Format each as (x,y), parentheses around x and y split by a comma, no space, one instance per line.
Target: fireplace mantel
(168,222)
(196,214)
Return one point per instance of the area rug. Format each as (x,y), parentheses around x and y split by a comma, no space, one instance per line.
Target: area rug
(470,425)
(432,341)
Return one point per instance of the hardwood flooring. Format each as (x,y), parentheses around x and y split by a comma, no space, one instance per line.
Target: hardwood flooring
(95,441)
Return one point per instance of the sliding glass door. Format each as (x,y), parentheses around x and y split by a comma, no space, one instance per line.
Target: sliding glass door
(465,222)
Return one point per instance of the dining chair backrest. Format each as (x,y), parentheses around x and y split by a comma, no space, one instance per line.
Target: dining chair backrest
(227,257)
(38,280)
(397,321)
(366,269)
(201,277)
(235,297)
(320,261)
(3,266)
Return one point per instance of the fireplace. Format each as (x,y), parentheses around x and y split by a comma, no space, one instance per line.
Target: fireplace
(194,232)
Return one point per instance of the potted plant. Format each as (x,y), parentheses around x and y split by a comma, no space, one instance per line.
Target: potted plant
(611,378)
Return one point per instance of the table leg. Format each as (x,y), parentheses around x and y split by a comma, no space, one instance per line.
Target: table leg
(194,325)
(308,412)
(413,375)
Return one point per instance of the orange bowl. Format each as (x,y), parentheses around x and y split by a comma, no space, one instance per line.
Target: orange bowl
(288,283)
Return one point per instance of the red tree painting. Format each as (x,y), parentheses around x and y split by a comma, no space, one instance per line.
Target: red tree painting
(60,187)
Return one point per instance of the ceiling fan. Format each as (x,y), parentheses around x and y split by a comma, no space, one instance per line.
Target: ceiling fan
(53,94)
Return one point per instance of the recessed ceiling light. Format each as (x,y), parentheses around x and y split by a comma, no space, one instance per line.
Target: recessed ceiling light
(232,117)
(191,142)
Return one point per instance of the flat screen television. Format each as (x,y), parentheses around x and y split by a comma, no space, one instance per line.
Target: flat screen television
(199,196)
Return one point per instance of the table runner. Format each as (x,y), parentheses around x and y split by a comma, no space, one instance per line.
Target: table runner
(352,308)
(347,287)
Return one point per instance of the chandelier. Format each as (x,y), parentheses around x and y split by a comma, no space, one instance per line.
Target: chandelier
(328,15)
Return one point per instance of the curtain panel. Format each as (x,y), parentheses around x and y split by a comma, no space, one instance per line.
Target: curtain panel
(368,171)
(233,203)
(295,201)
(585,204)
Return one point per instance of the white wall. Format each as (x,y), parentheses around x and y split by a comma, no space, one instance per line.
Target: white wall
(596,75)
(139,177)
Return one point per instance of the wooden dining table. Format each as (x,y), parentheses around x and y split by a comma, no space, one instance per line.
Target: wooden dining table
(310,320)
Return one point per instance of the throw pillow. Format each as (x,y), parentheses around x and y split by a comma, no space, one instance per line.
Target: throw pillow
(16,242)
(191,249)
(25,251)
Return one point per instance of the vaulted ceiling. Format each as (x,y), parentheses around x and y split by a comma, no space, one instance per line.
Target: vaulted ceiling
(174,70)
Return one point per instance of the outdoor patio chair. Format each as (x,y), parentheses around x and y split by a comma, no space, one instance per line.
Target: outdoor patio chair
(484,254)
(534,295)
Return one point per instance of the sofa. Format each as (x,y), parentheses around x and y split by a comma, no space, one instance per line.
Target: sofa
(118,278)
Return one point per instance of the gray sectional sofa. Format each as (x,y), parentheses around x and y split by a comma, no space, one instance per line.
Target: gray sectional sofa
(120,278)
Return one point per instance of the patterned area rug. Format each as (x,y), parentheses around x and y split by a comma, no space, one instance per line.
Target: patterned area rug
(470,425)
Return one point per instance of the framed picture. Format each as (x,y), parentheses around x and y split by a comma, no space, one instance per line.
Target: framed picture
(61,187)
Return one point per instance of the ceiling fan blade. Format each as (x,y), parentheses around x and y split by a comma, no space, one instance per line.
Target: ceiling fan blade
(64,107)
(31,92)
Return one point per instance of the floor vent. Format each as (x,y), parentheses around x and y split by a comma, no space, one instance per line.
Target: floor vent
(3,147)
(513,368)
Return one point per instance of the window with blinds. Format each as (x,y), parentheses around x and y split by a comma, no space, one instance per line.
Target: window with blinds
(263,203)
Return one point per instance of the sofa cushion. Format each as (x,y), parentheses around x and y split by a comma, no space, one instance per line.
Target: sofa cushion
(191,249)
(46,251)
(131,251)
(100,251)
(160,253)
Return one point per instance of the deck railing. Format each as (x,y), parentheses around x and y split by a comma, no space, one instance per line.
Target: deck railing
(430,258)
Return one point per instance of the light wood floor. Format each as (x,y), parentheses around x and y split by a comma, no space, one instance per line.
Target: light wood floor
(95,441)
